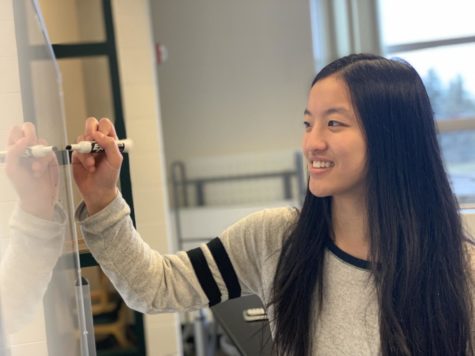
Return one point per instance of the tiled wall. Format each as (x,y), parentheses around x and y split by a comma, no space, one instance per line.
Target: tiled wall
(142,118)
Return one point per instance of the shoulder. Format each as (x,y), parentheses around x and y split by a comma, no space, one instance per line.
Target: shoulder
(261,230)
(266,221)
(254,244)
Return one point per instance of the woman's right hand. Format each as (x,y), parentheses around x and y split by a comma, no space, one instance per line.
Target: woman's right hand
(97,174)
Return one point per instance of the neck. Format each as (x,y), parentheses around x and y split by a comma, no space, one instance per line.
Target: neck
(349,220)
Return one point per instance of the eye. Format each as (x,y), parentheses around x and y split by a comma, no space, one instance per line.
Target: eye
(333,123)
(306,125)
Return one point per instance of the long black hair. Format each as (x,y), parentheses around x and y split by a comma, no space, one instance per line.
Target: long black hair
(419,263)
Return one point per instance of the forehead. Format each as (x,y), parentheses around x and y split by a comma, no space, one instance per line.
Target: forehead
(329,92)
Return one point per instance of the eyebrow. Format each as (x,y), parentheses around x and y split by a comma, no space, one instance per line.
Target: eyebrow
(335,110)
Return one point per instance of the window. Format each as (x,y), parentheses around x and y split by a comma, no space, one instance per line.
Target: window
(438,39)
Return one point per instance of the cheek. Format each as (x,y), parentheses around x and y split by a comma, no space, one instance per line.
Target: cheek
(304,142)
(354,155)
(360,160)
(361,156)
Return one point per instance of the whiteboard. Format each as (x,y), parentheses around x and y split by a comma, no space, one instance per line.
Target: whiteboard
(42,308)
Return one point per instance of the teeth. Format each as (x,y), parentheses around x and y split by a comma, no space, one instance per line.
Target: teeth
(322,164)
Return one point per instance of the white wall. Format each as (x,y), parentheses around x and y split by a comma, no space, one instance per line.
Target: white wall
(143,124)
(237,75)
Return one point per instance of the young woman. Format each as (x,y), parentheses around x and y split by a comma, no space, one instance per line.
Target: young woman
(376,261)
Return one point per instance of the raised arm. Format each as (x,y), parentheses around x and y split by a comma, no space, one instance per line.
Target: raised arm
(151,282)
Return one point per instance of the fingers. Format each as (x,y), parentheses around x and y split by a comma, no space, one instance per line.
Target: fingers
(85,159)
(46,165)
(91,126)
(29,132)
(19,139)
(41,164)
(14,135)
(109,144)
(107,128)
(17,144)
(106,137)
(103,132)
(104,125)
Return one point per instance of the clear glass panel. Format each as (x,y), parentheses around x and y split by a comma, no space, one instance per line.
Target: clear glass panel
(87,91)
(459,152)
(408,21)
(42,303)
(449,76)
(73,21)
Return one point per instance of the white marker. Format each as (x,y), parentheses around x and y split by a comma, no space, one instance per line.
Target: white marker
(93,147)
(35,151)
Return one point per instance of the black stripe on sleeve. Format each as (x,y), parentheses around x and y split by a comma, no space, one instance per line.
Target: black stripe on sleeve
(225,266)
(203,273)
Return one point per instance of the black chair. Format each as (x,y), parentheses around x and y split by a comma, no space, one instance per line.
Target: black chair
(250,338)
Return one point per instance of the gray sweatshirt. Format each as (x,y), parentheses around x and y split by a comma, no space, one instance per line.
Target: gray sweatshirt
(241,261)
(26,267)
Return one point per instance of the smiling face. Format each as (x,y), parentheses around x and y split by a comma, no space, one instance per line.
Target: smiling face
(333,142)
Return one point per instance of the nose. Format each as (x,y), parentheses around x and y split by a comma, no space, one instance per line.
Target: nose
(314,140)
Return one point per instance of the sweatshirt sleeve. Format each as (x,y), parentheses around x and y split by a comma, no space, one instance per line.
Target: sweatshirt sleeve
(147,280)
(151,282)
(27,265)
(254,245)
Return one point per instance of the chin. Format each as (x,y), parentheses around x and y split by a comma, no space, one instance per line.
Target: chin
(319,193)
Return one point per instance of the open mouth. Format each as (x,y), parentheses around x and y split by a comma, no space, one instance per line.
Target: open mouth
(322,164)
